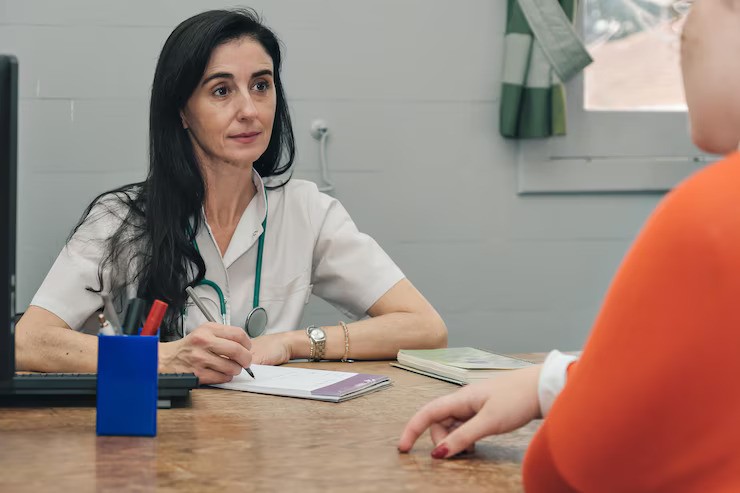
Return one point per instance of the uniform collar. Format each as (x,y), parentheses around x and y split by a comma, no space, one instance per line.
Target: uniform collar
(260,197)
(249,228)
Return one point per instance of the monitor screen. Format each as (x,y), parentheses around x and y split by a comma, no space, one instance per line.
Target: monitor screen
(8,187)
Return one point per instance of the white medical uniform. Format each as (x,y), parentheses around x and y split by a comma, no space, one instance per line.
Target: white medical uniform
(311,245)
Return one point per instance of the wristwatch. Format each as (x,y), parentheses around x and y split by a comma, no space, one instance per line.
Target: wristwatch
(317,337)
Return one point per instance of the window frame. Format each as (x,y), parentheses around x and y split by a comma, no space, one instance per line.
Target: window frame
(609,151)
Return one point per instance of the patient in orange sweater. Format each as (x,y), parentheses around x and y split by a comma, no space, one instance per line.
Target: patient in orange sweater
(653,404)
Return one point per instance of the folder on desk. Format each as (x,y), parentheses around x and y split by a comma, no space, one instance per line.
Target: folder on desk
(322,385)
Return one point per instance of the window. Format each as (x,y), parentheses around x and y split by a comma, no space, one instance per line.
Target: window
(635,46)
(627,121)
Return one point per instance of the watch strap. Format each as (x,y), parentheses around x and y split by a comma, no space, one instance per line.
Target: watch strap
(317,347)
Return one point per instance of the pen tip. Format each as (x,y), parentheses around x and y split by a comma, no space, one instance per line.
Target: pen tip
(250,372)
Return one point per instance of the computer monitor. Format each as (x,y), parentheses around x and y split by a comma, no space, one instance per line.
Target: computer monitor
(34,388)
(8,193)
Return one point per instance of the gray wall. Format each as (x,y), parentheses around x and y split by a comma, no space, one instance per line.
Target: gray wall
(410,89)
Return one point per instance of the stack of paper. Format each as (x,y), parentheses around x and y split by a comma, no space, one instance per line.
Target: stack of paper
(323,385)
(457,365)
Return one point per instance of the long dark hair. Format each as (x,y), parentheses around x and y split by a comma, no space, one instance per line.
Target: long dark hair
(152,248)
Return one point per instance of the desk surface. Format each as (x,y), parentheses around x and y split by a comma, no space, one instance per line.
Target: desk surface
(239,441)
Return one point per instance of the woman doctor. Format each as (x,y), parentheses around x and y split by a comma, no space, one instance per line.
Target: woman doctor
(205,217)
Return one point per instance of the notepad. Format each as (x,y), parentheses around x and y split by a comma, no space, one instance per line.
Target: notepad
(323,385)
(460,365)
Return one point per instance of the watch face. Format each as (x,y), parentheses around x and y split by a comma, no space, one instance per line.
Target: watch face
(318,334)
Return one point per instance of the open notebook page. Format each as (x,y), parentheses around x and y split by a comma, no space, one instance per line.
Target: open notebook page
(307,383)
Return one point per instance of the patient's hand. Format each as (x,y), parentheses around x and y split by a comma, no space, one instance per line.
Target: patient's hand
(456,421)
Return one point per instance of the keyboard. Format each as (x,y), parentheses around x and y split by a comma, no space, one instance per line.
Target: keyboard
(171,385)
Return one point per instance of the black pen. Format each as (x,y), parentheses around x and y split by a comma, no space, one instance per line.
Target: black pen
(206,313)
(132,320)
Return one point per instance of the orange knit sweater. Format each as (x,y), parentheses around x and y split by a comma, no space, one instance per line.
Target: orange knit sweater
(653,404)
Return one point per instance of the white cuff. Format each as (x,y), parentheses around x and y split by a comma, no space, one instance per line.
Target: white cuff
(552,378)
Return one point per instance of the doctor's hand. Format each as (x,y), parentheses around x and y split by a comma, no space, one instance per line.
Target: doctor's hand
(456,421)
(271,349)
(214,352)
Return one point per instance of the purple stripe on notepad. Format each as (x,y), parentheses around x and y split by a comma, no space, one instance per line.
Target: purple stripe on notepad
(351,384)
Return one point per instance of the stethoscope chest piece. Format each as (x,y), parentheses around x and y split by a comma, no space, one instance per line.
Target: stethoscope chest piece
(256,322)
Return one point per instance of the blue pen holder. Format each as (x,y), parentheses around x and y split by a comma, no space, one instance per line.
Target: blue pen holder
(127,385)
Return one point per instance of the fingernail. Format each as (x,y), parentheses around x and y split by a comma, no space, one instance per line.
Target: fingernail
(440,452)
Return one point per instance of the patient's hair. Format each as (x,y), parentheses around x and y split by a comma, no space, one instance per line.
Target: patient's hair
(152,245)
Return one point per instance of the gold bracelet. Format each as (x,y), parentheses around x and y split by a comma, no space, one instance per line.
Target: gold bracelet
(345,358)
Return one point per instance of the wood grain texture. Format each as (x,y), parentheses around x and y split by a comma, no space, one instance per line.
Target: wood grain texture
(238,441)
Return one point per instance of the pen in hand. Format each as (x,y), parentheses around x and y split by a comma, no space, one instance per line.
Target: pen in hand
(206,313)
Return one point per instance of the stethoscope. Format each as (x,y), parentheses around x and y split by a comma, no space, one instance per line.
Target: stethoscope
(257,318)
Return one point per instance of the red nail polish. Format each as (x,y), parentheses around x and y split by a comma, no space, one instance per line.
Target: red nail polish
(440,452)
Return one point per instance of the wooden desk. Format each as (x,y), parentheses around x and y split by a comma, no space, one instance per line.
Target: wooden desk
(237,441)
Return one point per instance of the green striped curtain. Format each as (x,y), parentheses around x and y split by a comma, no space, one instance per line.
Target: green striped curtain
(532,96)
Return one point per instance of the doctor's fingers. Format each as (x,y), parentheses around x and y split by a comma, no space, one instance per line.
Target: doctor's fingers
(204,335)
(231,350)
(236,334)
(212,361)
(206,376)
(455,405)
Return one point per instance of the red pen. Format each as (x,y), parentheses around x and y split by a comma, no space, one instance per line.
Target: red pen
(154,319)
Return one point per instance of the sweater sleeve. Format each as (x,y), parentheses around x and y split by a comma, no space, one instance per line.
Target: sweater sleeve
(652,404)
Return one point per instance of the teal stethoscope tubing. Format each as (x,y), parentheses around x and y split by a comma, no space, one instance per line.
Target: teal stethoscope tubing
(257,318)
